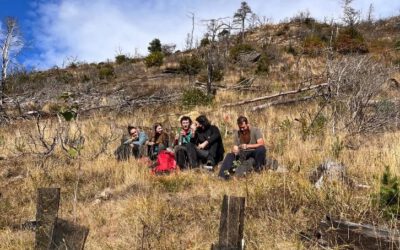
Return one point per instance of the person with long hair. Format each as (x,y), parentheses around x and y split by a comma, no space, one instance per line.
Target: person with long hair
(159,141)
(206,143)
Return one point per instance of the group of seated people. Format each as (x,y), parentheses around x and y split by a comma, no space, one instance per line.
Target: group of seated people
(198,143)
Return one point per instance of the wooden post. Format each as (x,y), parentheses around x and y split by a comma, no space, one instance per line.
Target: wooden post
(231,224)
(48,201)
(52,232)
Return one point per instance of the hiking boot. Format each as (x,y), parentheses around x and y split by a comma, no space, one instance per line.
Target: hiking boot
(209,166)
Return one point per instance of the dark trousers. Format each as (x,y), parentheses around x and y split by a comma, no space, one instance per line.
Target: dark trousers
(257,154)
(125,151)
(182,157)
(197,156)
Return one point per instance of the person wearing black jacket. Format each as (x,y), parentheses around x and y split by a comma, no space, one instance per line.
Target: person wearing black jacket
(206,143)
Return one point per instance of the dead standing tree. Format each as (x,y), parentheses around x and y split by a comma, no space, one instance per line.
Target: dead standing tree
(358,102)
(211,54)
(11,44)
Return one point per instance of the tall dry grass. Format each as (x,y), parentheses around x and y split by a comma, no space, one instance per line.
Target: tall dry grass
(181,211)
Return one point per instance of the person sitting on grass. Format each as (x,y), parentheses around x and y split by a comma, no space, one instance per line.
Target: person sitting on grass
(131,144)
(159,141)
(206,144)
(248,145)
(182,139)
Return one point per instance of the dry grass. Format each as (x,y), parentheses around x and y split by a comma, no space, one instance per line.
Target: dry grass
(182,211)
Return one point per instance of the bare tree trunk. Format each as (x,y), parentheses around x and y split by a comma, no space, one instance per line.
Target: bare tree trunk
(210,70)
(9,44)
(5,59)
(191,36)
(290,92)
(243,30)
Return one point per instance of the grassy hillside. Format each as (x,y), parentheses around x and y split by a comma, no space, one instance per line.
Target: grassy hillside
(126,207)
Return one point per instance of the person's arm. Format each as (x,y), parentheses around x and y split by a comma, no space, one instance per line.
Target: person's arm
(215,135)
(212,138)
(165,143)
(142,139)
(126,139)
(259,142)
(193,137)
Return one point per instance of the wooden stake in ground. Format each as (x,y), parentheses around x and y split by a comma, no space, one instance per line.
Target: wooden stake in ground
(48,202)
(231,224)
(52,232)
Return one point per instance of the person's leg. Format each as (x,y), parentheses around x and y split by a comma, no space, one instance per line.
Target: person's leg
(180,156)
(123,152)
(192,155)
(227,165)
(136,151)
(259,157)
(212,154)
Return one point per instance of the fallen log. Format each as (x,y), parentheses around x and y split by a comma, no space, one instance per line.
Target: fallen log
(213,85)
(285,102)
(291,92)
(358,236)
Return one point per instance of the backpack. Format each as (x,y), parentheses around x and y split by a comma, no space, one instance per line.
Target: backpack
(165,163)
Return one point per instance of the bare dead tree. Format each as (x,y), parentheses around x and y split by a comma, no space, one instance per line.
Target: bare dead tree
(11,44)
(370,15)
(189,42)
(211,54)
(357,95)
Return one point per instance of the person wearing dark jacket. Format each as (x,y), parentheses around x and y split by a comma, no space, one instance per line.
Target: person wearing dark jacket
(248,145)
(206,143)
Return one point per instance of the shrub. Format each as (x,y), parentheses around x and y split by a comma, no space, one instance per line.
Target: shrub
(193,97)
(291,50)
(65,77)
(217,76)
(397,45)
(155,46)
(350,41)
(282,31)
(263,64)
(389,194)
(396,62)
(174,183)
(106,71)
(313,45)
(239,49)
(190,65)
(204,42)
(155,59)
(85,78)
(120,59)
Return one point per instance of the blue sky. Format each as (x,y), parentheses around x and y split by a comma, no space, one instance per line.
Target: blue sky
(60,31)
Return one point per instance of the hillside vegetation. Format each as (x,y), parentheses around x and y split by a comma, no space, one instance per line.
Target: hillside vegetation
(353,120)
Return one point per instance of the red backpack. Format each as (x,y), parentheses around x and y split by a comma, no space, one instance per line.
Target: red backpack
(165,163)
